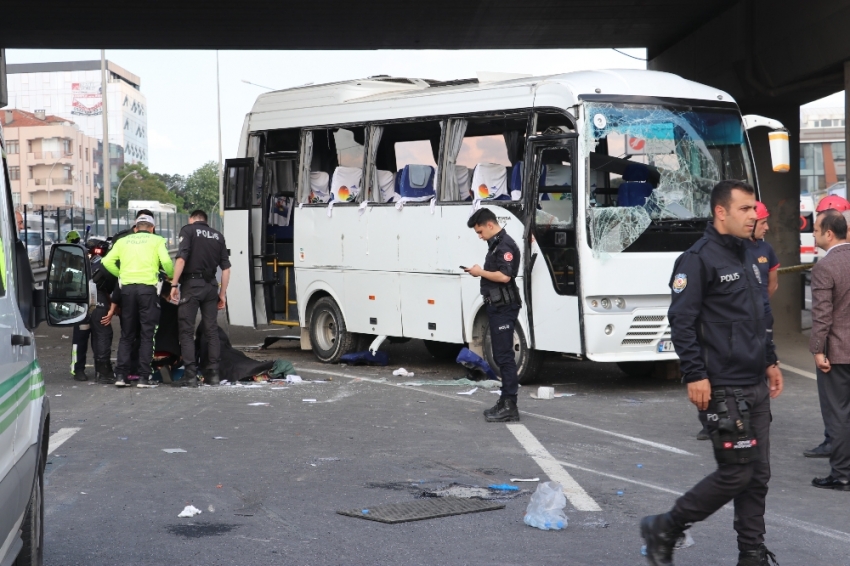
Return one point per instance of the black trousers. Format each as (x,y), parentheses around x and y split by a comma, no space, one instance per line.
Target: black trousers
(101,340)
(197,294)
(502,322)
(745,484)
(834,393)
(139,318)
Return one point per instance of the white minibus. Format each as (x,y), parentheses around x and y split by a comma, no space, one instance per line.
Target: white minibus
(345,212)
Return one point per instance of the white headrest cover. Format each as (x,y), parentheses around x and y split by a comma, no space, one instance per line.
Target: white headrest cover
(489,180)
(319,187)
(386,183)
(345,183)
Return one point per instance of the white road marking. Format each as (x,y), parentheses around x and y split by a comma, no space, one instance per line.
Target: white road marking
(634,439)
(804,373)
(776,518)
(574,492)
(60,437)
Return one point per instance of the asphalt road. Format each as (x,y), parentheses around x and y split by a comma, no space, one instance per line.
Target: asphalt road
(269,490)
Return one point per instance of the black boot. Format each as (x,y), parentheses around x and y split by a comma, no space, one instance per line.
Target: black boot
(495,408)
(507,413)
(212,377)
(660,533)
(81,375)
(103,373)
(757,557)
(190,378)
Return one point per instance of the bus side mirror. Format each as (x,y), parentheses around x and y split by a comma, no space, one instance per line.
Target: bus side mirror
(780,151)
(71,295)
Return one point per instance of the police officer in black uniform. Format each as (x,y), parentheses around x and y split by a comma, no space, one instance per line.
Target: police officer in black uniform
(201,250)
(97,327)
(729,362)
(501,295)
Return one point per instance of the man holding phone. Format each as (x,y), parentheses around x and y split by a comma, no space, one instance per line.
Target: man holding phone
(501,295)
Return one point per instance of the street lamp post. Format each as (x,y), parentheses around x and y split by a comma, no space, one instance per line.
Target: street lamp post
(49,173)
(130,174)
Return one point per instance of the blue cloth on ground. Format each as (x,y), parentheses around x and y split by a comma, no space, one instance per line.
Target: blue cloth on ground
(473,361)
(366,358)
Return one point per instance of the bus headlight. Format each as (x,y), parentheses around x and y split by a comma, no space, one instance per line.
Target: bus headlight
(609,329)
(606,303)
(620,303)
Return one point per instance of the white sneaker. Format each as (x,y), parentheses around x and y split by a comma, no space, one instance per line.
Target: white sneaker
(121,382)
(144,382)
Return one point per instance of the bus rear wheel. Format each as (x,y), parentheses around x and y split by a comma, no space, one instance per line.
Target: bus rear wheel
(328,335)
(528,361)
(637,370)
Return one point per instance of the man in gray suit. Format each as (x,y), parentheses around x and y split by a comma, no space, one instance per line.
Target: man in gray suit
(830,342)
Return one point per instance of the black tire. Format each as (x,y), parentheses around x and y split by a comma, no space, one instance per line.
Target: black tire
(328,335)
(637,370)
(528,361)
(443,350)
(32,553)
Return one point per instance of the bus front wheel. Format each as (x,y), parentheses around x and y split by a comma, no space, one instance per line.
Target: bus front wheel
(328,335)
(528,361)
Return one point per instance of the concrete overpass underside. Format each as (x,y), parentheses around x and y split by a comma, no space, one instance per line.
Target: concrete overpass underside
(772,55)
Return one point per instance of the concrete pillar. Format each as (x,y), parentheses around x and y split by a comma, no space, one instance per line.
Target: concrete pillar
(781,193)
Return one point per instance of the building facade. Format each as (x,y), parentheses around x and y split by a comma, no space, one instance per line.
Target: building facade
(52,162)
(73,91)
(823,155)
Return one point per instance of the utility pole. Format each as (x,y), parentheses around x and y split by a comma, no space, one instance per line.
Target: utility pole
(220,164)
(107,174)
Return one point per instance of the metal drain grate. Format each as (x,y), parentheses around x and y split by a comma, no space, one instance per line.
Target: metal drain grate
(421,509)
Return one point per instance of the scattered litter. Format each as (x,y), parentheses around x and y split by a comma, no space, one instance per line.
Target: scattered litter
(470,392)
(258,404)
(497,392)
(279,388)
(328,459)
(419,509)
(211,509)
(173,450)
(489,384)
(472,361)
(219,486)
(545,392)
(58,395)
(308,400)
(620,493)
(313,465)
(564,394)
(403,373)
(293,379)
(597,524)
(420,401)
(640,465)
(471,492)
(190,511)
(503,487)
(252,386)
(122,438)
(64,337)
(524,479)
(219,438)
(224,382)
(83,493)
(92,383)
(546,508)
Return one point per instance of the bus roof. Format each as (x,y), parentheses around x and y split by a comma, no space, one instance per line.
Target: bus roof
(367,99)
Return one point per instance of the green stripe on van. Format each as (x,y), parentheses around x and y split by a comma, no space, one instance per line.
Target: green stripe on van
(30,391)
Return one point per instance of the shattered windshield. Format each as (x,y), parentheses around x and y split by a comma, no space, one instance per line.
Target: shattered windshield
(653,166)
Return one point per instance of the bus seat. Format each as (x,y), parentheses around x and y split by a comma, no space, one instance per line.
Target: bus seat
(387,184)
(345,183)
(490,182)
(634,190)
(319,181)
(462,176)
(417,183)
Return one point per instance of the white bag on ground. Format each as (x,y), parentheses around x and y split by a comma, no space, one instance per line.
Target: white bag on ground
(546,508)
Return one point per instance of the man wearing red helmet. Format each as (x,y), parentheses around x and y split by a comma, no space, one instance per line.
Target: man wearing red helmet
(766,260)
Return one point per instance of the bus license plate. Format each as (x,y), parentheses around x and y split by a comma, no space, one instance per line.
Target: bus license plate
(666,346)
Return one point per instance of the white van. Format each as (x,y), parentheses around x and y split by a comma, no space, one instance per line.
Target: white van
(24,409)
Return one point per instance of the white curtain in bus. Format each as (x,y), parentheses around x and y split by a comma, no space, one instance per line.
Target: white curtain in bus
(386,186)
(374,192)
(305,158)
(280,211)
(455,129)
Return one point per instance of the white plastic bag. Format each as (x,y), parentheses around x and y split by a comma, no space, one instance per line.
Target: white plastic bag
(546,508)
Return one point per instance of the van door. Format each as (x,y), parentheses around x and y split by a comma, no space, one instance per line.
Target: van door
(550,182)
(238,182)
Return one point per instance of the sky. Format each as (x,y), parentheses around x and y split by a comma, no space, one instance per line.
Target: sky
(180,86)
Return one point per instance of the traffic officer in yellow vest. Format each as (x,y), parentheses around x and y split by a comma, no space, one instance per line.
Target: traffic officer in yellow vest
(141,255)
(201,252)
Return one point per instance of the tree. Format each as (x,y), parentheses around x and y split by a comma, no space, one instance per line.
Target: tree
(174,184)
(143,185)
(201,189)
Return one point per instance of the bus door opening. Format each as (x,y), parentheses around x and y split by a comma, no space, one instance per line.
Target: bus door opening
(281,173)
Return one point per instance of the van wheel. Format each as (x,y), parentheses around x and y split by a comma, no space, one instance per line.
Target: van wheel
(328,335)
(32,553)
(528,361)
(637,370)
(443,350)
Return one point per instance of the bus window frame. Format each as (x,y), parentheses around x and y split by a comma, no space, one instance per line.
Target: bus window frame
(245,203)
(304,169)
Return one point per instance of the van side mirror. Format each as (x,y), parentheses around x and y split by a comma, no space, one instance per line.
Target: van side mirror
(71,295)
(780,151)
